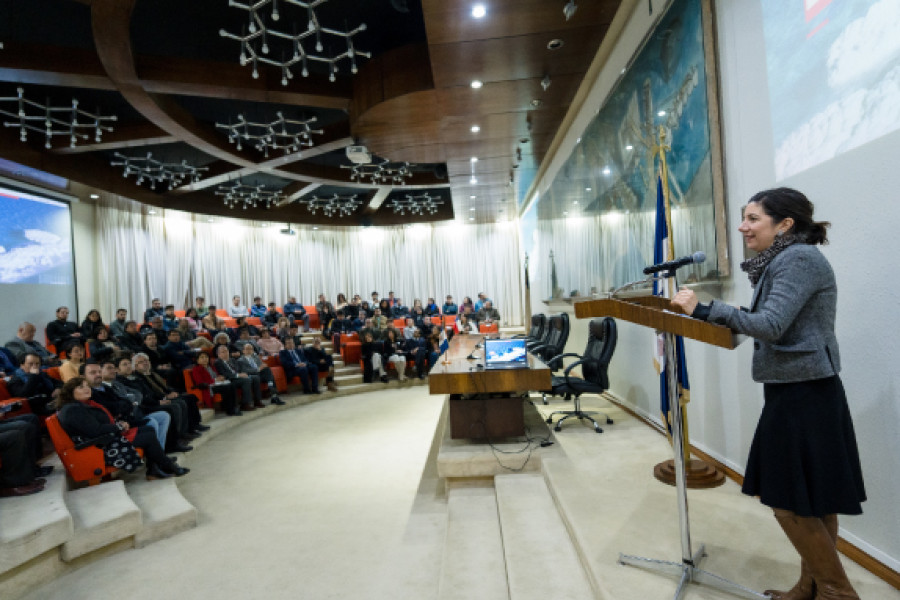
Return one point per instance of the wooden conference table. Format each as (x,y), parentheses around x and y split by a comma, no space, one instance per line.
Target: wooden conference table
(484,404)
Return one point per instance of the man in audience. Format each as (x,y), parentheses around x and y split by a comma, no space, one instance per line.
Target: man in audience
(8,363)
(178,435)
(33,384)
(121,408)
(431,309)
(270,318)
(160,362)
(244,339)
(243,324)
(370,311)
(180,356)
(359,322)
(156,326)
(296,312)
(20,448)
(237,309)
(479,304)
(323,305)
(410,329)
(295,364)
(250,363)
(200,306)
(323,362)
(450,307)
(24,343)
(117,327)
(488,314)
(415,348)
(398,310)
(258,309)
(131,340)
(169,320)
(374,300)
(391,300)
(158,390)
(155,310)
(63,334)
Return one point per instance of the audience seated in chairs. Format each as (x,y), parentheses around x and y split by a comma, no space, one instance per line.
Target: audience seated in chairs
(201,307)
(359,322)
(20,449)
(271,317)
(399,310)
(180,356)
(282,329)
(450,307)
(251,364)
(431,308)
(258,309)
(101,346)
(392,352)
(91,325)
(24,343)
(223,339)
(156,310)
(465,325)
(212,322)
(155,325)
(193,320)
(84,419)
(370,350)
(322,360)
(157,392)
(488,314)
(62,333)
(190,338)
(247,385)
(170,321)
(416,350)
(209,382)
(296,312)
(71,366)
(296,364)
(323,305)
(237,310)
(327,316)
(33,384)
(341,303)
(132,340)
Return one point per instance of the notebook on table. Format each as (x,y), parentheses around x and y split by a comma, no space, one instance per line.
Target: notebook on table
(505,354)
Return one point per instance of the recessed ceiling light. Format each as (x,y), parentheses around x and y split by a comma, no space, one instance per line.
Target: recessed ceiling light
(152,211)
(95,196)
(473,208)
(474,159)
(210,219)
(472,197)
(471,218)
(587,189)
(475,128)
(661,113)
(575,202)
(478,11)
(263,225)
(476,84)
(555,44)
(536,103)
(578,141)
(623,70)
(314,228)
(629,147)
(473,180)
(606,170)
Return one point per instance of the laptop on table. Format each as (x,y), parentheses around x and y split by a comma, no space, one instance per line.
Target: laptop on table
(505,354)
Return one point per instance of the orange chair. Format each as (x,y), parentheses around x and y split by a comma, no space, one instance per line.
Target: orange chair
(180,313)
(350,348)
(488,328)
(435,320)
(313,316)
(399,323)
(6,398)
(221,312)
(86,464)
(281,383)
(255,321)
(191,389)
(54,373)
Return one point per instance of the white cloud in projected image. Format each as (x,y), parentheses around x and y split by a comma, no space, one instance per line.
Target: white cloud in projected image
(46,251)
(834,79)
(35,240)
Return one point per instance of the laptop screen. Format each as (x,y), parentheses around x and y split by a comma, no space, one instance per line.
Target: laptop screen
(498,351)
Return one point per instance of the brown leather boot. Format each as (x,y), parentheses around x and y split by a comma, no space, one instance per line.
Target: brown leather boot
(805,588)
(812,539)
(331,387)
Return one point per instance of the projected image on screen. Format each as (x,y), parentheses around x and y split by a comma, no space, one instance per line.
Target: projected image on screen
(35,240)
(834,77)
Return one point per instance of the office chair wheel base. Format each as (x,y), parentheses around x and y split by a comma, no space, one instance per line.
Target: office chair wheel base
(598,429)
(557,428)
(550,421)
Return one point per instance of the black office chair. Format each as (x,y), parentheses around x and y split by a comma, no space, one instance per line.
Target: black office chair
(548,352)
(536,333)
(594,362)
(541,335)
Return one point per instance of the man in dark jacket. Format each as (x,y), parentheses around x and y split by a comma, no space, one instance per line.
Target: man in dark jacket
(24,343)
(63,334)
(33,384)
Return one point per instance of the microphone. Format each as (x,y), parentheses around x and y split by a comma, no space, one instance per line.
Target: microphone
(696,257)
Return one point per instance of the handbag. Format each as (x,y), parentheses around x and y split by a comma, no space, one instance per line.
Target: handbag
(120,454)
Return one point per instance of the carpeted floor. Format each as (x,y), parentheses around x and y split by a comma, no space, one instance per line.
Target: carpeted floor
(340,499)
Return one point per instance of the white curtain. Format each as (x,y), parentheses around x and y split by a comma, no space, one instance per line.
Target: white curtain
(176,256)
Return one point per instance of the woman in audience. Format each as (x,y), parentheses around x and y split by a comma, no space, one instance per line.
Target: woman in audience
(210,383)
(101,346)
(371,355)
(464,325)
(251,393)
(268,344)
(385,307)
(393,352)
(467,302)
(80,417)
(222,339)
(326,318)
(431,309)
(91,324)
(69,368)
(193,320)
(341,304)
(283,329)
(251,364)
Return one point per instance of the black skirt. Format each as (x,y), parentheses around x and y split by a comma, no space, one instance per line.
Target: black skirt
(804,456)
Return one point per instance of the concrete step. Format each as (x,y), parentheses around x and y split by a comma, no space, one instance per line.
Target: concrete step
(347,370)
(31,525)
(541,559)
(164,511)
(473,563)
(342,380)
(103,514)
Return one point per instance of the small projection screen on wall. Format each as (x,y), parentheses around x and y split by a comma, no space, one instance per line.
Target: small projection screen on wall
(834,77)
(37,272)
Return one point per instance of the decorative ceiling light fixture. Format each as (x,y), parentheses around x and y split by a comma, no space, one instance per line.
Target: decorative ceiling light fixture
(274,135)
(416,205)
(342,206)
(52,124)
(237,192)
(545,82)
(380,173)
(147,167)
(255,47)
(569,9)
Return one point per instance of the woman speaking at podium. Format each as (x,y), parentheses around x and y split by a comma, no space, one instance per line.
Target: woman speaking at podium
(803,461)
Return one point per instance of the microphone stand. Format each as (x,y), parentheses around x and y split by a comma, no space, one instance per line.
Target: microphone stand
(688,569)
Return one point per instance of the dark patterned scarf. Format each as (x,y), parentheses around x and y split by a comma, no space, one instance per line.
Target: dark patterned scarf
(756,266)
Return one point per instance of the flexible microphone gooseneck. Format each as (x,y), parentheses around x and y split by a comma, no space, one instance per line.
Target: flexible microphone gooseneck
(695,258)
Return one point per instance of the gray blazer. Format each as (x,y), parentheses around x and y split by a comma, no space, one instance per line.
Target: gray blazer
(791,318)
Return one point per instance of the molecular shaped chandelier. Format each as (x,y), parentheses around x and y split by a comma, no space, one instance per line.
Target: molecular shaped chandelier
(416,205)
(274,135)
(255,40)
(147,167)
(385,171)
(53,125)
(238,192)
(342,206)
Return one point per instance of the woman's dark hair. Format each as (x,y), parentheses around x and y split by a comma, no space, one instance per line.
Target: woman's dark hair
(67,393)
(783,203)
(93,311)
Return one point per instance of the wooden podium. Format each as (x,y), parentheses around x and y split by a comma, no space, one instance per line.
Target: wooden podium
(656,313)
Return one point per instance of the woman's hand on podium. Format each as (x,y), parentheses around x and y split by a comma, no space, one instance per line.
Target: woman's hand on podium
(685,300)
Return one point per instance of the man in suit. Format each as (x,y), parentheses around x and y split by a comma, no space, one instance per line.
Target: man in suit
(295,363)
(488,314)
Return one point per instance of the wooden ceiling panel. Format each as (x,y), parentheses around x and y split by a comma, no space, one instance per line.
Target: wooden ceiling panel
(518,57)
(507,96)
(448,21)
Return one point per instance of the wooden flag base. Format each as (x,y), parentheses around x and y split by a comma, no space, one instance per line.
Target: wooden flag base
(700,475)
